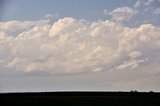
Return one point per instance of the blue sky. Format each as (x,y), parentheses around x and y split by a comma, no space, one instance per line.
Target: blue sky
(50,45)
(35,9)
(90,10)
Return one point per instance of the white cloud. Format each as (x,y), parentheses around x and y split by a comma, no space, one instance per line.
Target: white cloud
(48,16)
(135,54)
(121,14)
(157,11)
(140,3)
(51,17)
(105,11)
(129,64)
(13,28)
(137,4)
(71,46)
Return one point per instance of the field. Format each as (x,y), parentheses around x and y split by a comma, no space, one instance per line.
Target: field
(82,98)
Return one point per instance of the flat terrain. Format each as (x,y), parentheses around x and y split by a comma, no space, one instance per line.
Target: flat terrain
(82,98)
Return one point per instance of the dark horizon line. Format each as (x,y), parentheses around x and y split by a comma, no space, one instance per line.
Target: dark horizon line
(70,91)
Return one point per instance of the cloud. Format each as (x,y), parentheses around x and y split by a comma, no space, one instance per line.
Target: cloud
(143,84)
(71,46)
(121,14)
(51,17)
(129,64)
(157,11)
(13,28)
(137,4)
(140,3)
(135,54)
(105,11)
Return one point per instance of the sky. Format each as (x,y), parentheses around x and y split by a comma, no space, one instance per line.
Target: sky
(79,45)
(35,9)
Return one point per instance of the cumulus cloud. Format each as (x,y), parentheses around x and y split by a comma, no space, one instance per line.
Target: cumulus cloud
(121,14)
(70,46)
